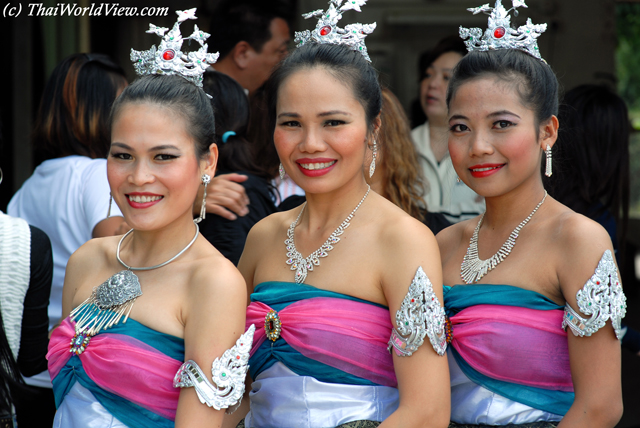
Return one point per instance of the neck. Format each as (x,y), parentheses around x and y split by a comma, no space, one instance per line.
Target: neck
(228,66)
(508,210)
(144,248)
(439,137)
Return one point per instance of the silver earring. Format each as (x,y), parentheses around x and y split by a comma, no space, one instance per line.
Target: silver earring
(110,201)
(457,179)
(372,167)
(206,179)
(548,170)
(1,176)
(281,171)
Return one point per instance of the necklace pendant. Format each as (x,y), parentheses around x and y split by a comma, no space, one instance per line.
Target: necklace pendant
(301,273)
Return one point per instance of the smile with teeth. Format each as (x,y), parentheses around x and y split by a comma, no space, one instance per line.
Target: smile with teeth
(485,169)
(141,199)
(319,165)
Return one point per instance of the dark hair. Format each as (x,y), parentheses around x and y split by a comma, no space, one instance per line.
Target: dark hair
(245,20)
(593,147)
(73,118)
(231,109)
(181,97)
(340,61)
(534,80)
(451,43)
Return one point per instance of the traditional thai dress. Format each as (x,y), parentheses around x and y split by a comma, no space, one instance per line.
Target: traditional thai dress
(509,357)
(122,378)
(320,361)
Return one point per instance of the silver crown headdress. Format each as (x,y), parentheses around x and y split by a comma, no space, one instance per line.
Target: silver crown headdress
(169,59)
(327,30)
(499,33)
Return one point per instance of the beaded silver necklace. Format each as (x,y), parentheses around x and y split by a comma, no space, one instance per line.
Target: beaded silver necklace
(472,268)
(111,300)
(302,265)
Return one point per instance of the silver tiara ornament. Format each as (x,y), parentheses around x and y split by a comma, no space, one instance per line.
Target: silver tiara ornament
(499,33)
(327,30)
(168,57)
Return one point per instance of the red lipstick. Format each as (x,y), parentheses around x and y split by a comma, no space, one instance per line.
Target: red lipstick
(315,172)
(142,205)
(485,169)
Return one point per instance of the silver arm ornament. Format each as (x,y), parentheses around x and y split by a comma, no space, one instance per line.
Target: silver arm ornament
(602,298)
(420,315)
(229,372)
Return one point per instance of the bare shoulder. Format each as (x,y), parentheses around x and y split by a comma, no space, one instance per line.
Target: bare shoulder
(578,235)
(271,225)
(217,278)
(450,239)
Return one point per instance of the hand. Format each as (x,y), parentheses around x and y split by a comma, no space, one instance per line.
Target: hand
(225,197)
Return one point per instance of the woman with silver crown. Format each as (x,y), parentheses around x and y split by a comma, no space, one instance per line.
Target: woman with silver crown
(170,306)
(534,324)
(348,286)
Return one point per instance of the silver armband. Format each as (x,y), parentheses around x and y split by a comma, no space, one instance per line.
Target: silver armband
(602,298)
(229,372)
(420,315)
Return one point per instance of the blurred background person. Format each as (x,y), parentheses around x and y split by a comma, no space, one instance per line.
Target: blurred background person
(399,177)
(237,154)
(68,194)
(592,174)
(446,195)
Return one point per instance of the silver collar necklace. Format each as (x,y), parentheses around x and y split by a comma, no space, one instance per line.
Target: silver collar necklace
(111,300)
(472,268)
(302,265)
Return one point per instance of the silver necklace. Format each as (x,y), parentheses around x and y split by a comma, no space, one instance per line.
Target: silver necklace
(111,300)
(472,268)
(302,265)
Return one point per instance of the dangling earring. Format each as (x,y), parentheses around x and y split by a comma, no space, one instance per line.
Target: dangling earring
(206,179)
(457,179)
(110,201)
(372,167)
(1,176)
(281,171)
(548,170)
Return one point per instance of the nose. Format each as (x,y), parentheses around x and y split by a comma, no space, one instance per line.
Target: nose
(312,142)
(480,145)
(141,174)
(435,81)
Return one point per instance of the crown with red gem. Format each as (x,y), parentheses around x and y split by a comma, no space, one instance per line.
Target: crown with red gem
(499,33)
(327,30)
(169,59)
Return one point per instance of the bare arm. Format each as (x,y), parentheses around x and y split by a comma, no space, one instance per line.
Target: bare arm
(110,227)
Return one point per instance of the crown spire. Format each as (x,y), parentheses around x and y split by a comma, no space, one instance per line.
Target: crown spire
(169,59)
(327,30)
(499,33)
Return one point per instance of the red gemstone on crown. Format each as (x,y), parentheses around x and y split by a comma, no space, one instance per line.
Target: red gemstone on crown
(168,55)
(325,30)
(499,32)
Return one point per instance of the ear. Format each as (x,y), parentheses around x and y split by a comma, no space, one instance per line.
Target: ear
(377,123)
(241,54)
(208,163)
(549,132)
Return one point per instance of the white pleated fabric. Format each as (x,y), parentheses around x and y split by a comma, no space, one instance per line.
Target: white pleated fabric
(80,409)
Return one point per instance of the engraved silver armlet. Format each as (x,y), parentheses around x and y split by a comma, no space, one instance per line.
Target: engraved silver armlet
(420,315)
(602,298)
(229,372)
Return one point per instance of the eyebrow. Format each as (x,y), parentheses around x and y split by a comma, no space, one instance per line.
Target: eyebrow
(494,114)
(152,149)
(323,114)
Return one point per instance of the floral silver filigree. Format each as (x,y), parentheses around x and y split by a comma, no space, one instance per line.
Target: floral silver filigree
(602,298)
(499,33)
(327,30)
(169,59)
(228,381)
(420,315)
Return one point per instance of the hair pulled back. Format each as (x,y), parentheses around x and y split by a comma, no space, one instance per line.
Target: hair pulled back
(73,117)
(342,63)
(231,109)
(181,97)
(534,80)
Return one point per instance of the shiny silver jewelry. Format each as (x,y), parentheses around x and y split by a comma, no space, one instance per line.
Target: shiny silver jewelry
(499,33)
(303,266)
(602,298)
(457,179)
(281,171)
(1,176)
(472,268)
(420,315)
(206,179)
(372,166)
(327,30)
(169,59)
(111,300)
(228,381)
(110,202)
(548,171)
